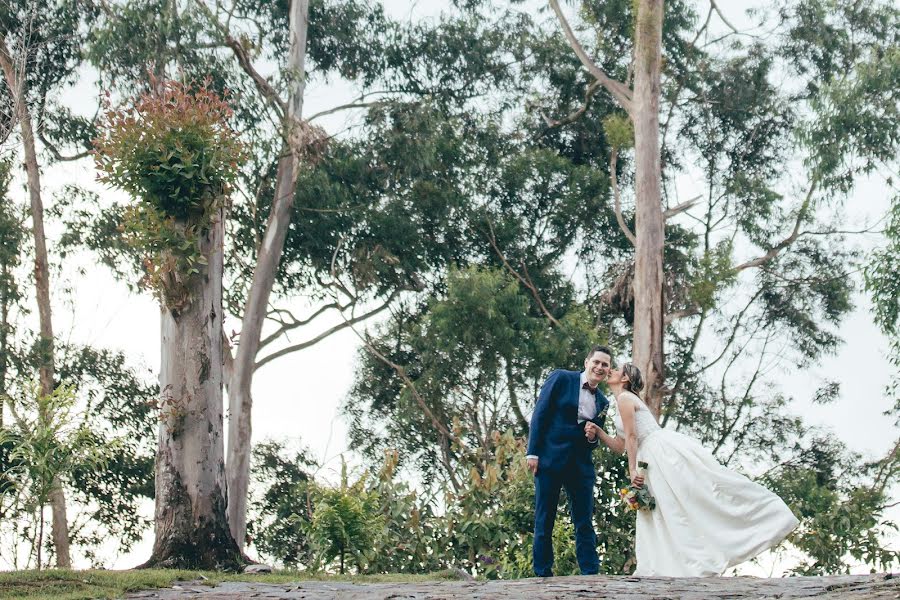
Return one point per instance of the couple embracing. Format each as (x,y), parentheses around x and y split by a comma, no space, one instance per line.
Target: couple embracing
(707,517)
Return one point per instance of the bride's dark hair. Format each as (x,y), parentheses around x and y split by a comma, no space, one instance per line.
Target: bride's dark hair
(635,381)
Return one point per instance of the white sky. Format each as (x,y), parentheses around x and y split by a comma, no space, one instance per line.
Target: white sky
(296,398)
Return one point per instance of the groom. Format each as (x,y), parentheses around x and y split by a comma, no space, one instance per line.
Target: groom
(559,456)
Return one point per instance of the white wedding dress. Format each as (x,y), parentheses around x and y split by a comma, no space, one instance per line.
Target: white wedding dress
(707,517)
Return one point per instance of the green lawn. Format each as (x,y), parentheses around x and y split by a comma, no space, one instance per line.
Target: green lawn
(82,585)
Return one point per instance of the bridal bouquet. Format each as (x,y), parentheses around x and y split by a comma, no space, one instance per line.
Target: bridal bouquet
(638,498)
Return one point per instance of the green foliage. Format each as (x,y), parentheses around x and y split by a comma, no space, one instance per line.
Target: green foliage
(47,441)
(619,131)
(849,56)
(412,536)
(484,526)
(840,506)
(473,355)
(111,409)
(344,523)
(173,150)
(712,274)
(488,520)
(118,405)
(279,524)
(176,154)
(882,279)
(12,240)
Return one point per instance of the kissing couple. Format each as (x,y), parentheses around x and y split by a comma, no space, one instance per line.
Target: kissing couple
(707,517)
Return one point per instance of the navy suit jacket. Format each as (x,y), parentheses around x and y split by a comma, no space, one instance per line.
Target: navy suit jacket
(555,436)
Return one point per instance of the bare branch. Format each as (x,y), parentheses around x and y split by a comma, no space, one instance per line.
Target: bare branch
(331,330)
(715,7)
(680,208)
(888,468)
(734,332)
(777,248)
(690,311)
(262,85)
(295,323)
(744,400)
(574,115)
(618,90)
(331,111)
(613,161)
(54,151)
(526,280)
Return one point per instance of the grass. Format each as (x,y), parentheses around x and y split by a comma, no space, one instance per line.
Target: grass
(83,585)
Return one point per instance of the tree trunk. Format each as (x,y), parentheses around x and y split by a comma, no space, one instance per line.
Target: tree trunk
(240,401)
(191,525)
(4,333)
(15,81)
(650,233)
(40,544)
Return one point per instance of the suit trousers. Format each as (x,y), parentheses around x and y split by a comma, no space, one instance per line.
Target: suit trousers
(578,482)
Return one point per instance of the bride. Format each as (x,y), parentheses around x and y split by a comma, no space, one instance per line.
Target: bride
(707,518)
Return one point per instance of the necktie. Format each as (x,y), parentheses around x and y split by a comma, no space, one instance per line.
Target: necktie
(588,387)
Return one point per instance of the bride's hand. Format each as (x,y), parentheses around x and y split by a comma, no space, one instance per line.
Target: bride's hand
(637,480)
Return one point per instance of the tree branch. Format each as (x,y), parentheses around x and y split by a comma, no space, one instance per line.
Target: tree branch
(618,90)
(295,323)
(311,342)
(331,111)
(267,91)
(744,400)
(574,115)
(715,7)
(54,151)
(613,161)
(690,311)
(526,280)
(888,467)
(776,250)
(734,332)
(262,85)
(680,208)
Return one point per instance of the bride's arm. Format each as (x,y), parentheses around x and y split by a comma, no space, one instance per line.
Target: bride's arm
(626,413)
(614,443)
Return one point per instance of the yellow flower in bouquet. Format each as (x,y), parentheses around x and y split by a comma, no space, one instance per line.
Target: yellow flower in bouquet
(637,498)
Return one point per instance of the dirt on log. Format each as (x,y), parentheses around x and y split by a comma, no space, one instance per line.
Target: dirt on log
(845,587)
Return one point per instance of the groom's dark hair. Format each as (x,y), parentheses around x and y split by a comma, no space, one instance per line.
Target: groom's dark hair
(604,349)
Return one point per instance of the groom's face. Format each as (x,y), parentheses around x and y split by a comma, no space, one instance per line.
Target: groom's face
(597,367)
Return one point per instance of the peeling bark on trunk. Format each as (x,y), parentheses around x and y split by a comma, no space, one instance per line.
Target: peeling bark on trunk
(191,525)
(15,81)
(240,401)
(650,233)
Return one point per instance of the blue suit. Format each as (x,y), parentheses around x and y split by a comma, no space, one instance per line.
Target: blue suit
(564,461)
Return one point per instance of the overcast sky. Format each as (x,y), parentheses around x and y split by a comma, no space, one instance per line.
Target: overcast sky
(296,398)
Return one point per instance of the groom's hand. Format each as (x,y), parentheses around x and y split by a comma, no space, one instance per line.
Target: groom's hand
(591,431)
(532,465)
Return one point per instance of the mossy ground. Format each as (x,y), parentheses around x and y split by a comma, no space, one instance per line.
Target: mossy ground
(82,585)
